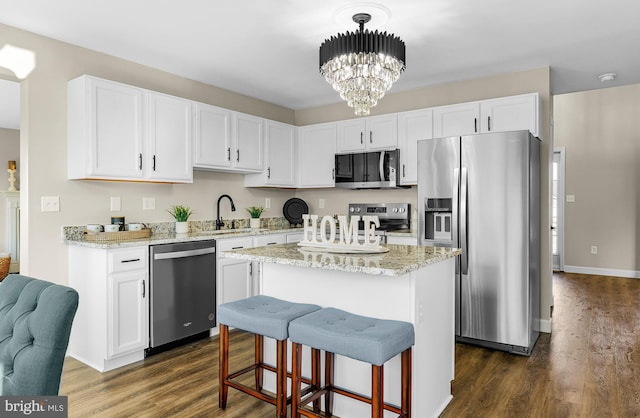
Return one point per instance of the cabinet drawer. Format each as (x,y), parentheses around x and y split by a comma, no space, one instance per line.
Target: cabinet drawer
(271,239)
(234,243)
(127,260)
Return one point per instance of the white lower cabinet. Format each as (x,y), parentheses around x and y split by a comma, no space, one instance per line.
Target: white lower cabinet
(234,277)
(111,327)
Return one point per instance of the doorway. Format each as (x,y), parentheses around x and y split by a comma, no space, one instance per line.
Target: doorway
(557,209)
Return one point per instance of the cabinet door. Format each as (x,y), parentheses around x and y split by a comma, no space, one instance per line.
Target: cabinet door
(127,321)
(316,156)
(248,133)
(510,114)
(412,127)
(170,127)
(351,135)
(105,129)
(381,132)
(456,120)
(280,154)
(212,137)
(234,280)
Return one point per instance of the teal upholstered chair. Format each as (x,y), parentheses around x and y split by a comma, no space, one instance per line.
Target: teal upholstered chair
(35,323)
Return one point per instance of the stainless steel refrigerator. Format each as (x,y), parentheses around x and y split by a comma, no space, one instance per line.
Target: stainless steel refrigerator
(481,193)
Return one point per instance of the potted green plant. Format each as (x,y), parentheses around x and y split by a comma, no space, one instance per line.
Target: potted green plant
(255,212)
(181,214)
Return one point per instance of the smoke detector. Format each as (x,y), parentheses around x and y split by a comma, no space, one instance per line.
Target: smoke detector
(607,77)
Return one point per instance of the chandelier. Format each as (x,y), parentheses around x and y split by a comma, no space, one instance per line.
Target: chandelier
(362,65)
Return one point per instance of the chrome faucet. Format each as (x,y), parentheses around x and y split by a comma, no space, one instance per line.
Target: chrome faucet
(219,222)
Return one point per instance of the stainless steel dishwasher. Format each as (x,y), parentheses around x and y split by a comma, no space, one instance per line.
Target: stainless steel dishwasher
(182,288)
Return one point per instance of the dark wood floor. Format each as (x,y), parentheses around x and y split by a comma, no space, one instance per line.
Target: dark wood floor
(588,367)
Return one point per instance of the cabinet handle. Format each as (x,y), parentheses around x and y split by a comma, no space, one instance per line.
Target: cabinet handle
(251,269)
(333,173)
(144,290)
(229,154)
(361,137)
(154,163)
(237,248)
(475,125)
(489,123)
(371,137)
(271,243)
(133,260)
(237,155)
(269,172)
(140,161)
(404,170)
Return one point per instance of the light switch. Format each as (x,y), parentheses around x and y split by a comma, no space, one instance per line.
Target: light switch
(116,203)
(571,198)
(320,203)
(50,204)
(267,203)
(148,203)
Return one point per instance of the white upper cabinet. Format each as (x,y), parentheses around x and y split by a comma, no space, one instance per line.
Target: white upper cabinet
(118,132)
(248,132)
(212,136)
(495,115)
(368,134)
(511,114)
(170,125)
(280,153)
(104,130)
(456,120)
(413,126)
(316,155)
(227,140)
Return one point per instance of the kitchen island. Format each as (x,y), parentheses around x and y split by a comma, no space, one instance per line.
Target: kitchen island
(408,283)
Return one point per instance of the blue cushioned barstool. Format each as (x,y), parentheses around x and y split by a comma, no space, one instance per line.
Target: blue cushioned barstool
(263,316)
(374,341)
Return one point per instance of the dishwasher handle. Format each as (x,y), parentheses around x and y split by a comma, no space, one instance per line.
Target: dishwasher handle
(186,253)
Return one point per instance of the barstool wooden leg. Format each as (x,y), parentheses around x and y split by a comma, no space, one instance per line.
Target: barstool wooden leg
(296,372)
(259,360)
(223,366)
(377,391)
(281,379)
(315,376)
(406,383)
(329,362)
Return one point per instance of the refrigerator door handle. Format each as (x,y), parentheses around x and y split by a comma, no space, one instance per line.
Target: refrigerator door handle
(464,238)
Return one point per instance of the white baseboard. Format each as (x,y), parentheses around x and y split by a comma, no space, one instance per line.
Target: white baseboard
(631,274)
(545,325)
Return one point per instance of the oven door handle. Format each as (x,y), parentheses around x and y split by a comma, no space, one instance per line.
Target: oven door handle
(181,254)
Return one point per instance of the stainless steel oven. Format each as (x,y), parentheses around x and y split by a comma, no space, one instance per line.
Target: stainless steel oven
(392,216)
(182,289)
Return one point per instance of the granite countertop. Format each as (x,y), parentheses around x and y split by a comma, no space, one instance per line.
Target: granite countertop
(170,237)
(399,260)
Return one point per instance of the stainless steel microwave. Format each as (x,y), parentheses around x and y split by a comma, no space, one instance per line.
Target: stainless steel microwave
(368,170)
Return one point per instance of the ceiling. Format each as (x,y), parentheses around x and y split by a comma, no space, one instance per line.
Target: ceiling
(268,49)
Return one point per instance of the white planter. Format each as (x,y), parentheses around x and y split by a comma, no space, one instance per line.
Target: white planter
(254,223)
(182,227)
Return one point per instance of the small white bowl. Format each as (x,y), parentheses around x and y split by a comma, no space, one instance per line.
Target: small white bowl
(94,228)
(134,227)
(111,228)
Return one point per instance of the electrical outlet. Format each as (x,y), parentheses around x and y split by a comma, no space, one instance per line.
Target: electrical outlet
(320,203)
(50,204)
(148,203)
(571,198)
(267,203)
(594,249)
(116,204)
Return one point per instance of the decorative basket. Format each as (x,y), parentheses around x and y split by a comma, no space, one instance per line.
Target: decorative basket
(5,263)
(117,236)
